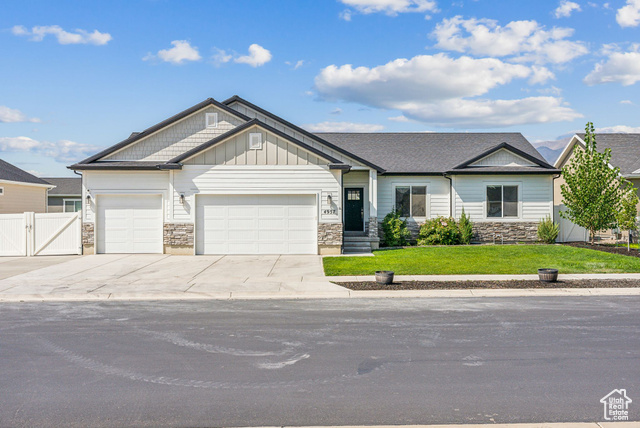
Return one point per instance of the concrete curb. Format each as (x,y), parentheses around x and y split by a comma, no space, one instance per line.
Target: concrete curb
(561,277)
(518,425)
(346,294)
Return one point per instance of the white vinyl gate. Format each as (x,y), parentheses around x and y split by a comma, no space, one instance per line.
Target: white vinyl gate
(40,234)
(569,232)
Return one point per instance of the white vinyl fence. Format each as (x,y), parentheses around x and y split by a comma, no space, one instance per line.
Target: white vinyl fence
(569,232)
(35,234)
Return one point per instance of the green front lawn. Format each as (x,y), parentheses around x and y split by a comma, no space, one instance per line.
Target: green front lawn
(485,259)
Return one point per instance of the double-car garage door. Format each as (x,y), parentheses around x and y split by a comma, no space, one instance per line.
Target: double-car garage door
(225,224)
(256,224)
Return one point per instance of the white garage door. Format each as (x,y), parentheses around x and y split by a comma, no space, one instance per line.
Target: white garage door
(256,224)
(129,224)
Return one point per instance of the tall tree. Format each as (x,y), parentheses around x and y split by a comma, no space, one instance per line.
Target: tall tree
(593,189)
(628,212)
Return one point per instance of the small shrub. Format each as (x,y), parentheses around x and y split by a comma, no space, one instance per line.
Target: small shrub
(466,229)
(439,231)
(548,230)
(395,230)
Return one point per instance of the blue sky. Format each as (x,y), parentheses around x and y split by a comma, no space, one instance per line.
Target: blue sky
(80,76)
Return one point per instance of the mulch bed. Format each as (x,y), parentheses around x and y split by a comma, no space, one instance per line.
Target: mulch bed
(605,248)
(466,285)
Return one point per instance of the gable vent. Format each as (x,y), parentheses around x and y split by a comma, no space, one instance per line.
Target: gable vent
(212,120)
(255,141)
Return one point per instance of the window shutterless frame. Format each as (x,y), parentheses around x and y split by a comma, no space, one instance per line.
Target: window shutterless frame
(1,191)
(410,200)
(502,201)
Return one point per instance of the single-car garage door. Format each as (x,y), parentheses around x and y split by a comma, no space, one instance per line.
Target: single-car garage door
(129,224)
(256,224)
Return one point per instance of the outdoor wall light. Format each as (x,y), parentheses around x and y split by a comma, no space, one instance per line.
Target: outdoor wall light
(182,198)
(329,199)
(88,198)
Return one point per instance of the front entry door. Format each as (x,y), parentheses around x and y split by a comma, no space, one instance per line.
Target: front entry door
(354,209)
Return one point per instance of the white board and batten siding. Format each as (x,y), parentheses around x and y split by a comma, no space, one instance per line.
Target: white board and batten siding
(248,111)
(437,193)
(535,195)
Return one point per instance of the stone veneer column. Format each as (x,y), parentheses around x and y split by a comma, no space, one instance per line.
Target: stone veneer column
(330,237)
(178,238)
(511,231)
(88,240)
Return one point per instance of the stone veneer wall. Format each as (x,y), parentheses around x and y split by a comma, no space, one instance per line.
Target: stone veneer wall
(330,237)
(510,231)
(412,226)
(88,240)
(178,238)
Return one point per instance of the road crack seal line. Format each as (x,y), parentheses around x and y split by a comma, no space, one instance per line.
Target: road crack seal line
(281,364)
(99,367)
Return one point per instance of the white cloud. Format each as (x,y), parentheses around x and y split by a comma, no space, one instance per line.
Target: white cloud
(435,89)
(63,151)
(8,115)
(181,52)
(221,57)
(492,113)
(422,78)
(629,102)
(619,129)
(297,64)
(257,57)
(400,118)
(524,41)
(619,67)
(566,8)
(540,75)
(388,7)
(38,33)
(336,110)
(342,127)
(629,15)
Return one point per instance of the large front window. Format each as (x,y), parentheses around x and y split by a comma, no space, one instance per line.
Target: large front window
(502,201)
(411,201)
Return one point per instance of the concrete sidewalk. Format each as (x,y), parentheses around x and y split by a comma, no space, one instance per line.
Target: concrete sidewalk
(164,277)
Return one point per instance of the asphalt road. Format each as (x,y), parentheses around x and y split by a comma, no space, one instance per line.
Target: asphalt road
(317,362)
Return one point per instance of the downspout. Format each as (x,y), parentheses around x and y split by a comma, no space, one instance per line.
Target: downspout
(553,195)
(450,193)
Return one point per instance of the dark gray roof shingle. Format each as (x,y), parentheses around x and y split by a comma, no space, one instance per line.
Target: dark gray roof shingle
(625,150)
(426,152)
(13,173)
(65,185)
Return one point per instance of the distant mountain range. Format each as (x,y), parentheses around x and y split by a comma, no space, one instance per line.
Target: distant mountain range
(549,154)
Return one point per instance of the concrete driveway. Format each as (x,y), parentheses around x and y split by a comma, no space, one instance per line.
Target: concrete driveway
(149,276)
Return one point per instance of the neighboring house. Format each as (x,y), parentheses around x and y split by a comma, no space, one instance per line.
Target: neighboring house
(232,178)
(20,191)
(625,154)
(66,196)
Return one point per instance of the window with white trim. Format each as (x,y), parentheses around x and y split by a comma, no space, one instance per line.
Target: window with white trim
(411,201)
(1,191)
(502,201)
(72,205)
(211,119)
(255,140)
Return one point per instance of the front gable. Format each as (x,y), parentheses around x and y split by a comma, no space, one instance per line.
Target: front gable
(274,150)
(503,157)
(177,137)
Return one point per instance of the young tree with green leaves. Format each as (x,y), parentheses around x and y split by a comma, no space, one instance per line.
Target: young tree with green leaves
(628,212)
(593,189)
